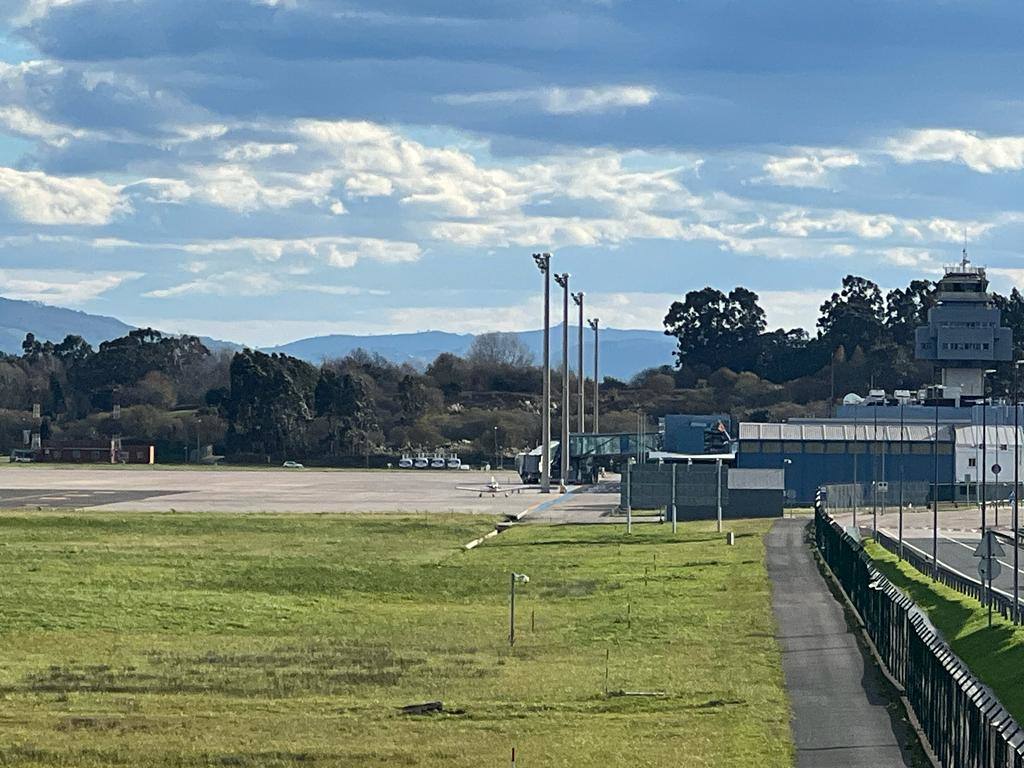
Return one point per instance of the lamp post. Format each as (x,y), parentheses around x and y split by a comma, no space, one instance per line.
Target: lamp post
(901,481)
(581,417)
(874,478)
(495,446)
(984,446)
(1016,492)
(935,489)
(563,281)
(595,324)
(856,450)
(522,578)
(543,261)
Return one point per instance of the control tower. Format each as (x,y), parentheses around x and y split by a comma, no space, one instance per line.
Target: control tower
(963,334)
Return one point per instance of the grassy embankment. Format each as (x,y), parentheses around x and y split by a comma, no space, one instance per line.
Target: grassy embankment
(995,655)
(263,640)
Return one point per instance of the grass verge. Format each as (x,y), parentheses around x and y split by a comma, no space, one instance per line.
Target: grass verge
(994,654)
(284,640)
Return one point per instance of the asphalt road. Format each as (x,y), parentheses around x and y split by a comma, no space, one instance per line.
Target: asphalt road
(958,553)
(840,700)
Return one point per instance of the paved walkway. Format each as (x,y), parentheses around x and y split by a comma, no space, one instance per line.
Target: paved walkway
(839,698)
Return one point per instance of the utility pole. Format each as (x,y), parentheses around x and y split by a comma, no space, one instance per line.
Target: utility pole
(580,376)
(595,324)
(563,280)
(543,261)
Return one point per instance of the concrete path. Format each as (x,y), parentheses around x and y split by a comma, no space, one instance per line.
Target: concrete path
(839,698)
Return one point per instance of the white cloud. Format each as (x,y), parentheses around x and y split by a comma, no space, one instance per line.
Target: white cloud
(563,101)
(980,153)
(39,198)
(61,287)
(249,283)
(239,188)
(27,123)
(336,251)
(254,150)
(811,169)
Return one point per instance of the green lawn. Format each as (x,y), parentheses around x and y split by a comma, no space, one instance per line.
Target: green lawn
(995,655)
(281,640)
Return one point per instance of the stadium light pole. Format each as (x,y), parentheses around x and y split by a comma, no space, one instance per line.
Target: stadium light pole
(563,280)
(580,376)
(543,261)
(984,445)
(595,323)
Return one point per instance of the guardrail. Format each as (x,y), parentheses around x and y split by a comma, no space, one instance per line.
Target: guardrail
(965,725)
(1002,603)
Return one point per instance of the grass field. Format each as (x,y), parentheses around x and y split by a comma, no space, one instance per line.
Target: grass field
(264,640)
(995,655)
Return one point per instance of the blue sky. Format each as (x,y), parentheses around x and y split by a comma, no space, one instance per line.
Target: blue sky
(264,170)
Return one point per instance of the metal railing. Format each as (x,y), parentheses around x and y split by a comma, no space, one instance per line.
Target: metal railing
(1002,603)
(965,725)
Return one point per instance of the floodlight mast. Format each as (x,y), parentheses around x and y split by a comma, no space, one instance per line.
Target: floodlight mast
(595,323)
(543,261)
(563,281)
(580,376)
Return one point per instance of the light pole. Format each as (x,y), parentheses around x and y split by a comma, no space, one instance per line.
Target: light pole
(522,578)
(901,480)
(1017,492)
(935,487)
(544,264)
(581,416)
(856,450)
(595,324)
(563,280)
(984,446)
(874,479)
(495,446)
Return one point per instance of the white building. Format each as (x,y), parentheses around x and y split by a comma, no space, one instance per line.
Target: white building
(998,453)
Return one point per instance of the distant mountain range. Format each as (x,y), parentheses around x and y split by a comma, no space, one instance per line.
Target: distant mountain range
(623,352)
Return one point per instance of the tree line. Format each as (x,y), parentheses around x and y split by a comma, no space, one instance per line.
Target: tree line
(251,406)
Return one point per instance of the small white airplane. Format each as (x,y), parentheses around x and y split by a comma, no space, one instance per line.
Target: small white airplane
(493,488)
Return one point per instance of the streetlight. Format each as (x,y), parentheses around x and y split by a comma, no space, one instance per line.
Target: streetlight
(522,578)
(595,324)
(984,445)
(935,487)
(543,261)
(1016,493)
(901,479)
(563,281)
(580,415)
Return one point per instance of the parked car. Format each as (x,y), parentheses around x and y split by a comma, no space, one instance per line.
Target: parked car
(292,465)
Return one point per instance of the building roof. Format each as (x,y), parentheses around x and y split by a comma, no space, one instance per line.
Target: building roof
(971,436)
(841,432)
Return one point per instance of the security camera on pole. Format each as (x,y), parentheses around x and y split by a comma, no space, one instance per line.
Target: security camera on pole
(544,264)
(563,281)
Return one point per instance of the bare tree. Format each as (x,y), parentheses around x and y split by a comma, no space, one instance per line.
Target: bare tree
(499,349)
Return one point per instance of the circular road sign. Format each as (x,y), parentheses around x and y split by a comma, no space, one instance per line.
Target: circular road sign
(983,568)
(996,469)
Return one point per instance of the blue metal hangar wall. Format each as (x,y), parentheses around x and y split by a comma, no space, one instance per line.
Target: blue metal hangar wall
(819,454)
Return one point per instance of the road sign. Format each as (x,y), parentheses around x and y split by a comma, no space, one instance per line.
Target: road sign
(996,469)
(989,547)
(985,564)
